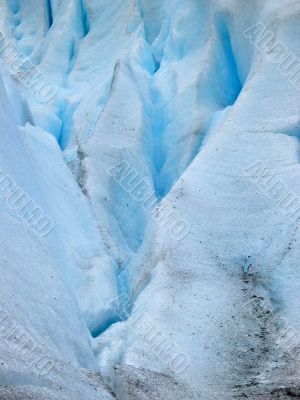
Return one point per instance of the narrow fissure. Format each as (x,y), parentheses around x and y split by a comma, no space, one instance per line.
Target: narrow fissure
(230,59)
(234,85)
(66,110)
(158,118)
(49,13)
(84,18)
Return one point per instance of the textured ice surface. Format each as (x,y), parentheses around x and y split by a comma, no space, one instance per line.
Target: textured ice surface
(173,92)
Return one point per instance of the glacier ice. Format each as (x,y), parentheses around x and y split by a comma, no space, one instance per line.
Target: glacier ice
(181,95)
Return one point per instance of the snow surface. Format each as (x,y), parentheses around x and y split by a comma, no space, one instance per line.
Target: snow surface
(170,101)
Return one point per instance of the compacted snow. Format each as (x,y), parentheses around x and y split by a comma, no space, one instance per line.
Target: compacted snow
(150,199)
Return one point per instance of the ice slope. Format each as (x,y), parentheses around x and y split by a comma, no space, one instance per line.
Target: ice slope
(196,290)
(37,306)
(201,281)
(174,91)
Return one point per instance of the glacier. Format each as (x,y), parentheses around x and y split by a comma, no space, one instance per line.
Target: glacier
(149,194)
